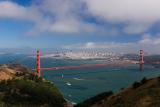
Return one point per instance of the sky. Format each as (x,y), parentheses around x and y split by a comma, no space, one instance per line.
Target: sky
(124,26)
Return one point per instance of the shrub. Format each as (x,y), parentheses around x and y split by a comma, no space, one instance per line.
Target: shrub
(24,92)
(136,84)
(95,99)
(122,88)
(143,81)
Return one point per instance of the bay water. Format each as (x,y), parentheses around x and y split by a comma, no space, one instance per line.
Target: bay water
(80,84)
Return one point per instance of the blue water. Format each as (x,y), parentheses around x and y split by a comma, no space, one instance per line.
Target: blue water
(80,84)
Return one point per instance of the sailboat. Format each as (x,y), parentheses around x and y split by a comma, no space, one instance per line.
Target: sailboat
(68,83)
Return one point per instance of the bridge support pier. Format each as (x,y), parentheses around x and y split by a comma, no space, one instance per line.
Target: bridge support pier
(141,61)
(38,63)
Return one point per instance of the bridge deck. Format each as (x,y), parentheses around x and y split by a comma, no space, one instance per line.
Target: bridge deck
(78,66)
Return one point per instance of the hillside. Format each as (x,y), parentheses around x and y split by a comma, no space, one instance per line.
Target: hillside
(9,71)
(20,87)
(145,93)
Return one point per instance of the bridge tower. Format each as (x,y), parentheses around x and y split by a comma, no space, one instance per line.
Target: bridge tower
(141,60)
(38,63)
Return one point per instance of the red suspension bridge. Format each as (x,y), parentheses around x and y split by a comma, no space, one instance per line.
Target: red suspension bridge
(39,69)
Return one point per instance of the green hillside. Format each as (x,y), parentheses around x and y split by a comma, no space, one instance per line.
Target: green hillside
(25,89)
(145,93)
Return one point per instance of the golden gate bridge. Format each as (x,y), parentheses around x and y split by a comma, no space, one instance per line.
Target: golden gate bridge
(38,69)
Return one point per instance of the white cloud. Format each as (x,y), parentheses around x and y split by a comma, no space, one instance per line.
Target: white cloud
(65,16)
(138,15)
(90,45)
(12,10)
(148,43)
(98,46)
(149,40)
(9,9)
(49,15)
(125,10)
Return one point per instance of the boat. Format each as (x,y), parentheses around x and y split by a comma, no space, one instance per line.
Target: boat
(68,83)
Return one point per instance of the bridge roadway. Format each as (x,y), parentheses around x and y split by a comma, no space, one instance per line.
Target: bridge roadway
(77,66)
(92,65)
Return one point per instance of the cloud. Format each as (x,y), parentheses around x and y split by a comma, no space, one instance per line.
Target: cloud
(9,9)
(149,40)
(110,46)
(137,15)
(148,43)
(65,16)
(49,15)
(12,10)
(125,10)
(68,16)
